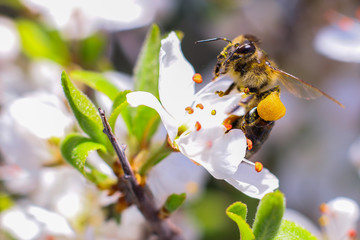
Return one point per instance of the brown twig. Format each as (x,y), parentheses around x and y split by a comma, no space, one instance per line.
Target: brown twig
(139,195)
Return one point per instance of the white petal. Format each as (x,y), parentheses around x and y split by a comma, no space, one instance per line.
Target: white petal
(9,41)
(42,115)
(19,224)
(53,222)
(221,84)
(168,177)
(252,183)
(123,15)
(136,99)
(176,87)
(339,44)
(216,151)
(342,216)
(222,105)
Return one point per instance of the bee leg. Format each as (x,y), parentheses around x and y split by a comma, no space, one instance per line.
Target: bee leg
(230,88)
(217,70)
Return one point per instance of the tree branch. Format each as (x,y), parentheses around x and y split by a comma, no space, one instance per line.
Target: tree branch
(139,195)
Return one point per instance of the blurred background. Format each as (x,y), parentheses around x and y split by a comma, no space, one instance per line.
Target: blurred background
(314,150)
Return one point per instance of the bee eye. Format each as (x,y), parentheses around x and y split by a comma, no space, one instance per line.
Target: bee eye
(247,48)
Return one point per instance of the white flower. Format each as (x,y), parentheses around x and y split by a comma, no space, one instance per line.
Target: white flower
(338,220)
(80,18)
(9,41)
(166,177)
(28,124)
(199,132)
(340,40)
(354,154)
(33,222)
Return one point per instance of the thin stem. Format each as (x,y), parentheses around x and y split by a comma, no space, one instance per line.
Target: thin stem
(139,195)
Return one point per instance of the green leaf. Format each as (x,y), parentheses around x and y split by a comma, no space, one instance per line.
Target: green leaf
(91,49)
(39,42)
(119,105)
(237,212)
(291,231)
(96,81)
(146,74)
(85,112)
(75,149)
(147,67)
(174,201)
(268,216)
(146,121)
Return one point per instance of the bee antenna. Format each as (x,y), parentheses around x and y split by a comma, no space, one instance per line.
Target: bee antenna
(213,39)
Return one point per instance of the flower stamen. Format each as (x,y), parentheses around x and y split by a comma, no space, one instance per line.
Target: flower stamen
(323,208)
(197,126)
(199,105)
(258,166)
(213,112)
(197,78)
(189,110)
(323,221)
(228,126)
(352,234)
(249,144)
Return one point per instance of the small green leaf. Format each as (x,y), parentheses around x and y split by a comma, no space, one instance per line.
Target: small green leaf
(237,212)
(85,112)
(268,216)
(146,74)
(146,121)
(91,49)
(291,231)
(39,42)
(76,148)
(119,105)
(147,67)
(96,81)
(173,202)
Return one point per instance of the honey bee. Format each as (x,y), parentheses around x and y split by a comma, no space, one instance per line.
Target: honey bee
(253,72)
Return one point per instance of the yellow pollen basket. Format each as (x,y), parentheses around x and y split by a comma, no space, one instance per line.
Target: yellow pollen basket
(271,108)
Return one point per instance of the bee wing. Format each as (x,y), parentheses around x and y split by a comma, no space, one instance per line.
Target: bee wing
(301,88)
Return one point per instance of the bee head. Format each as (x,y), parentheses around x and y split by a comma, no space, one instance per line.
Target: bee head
(244,46)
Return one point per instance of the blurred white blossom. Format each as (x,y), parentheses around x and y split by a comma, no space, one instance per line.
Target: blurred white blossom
(354,154)
(80,18)
(26,222)
(340,40)
(9,41)
(339,220)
